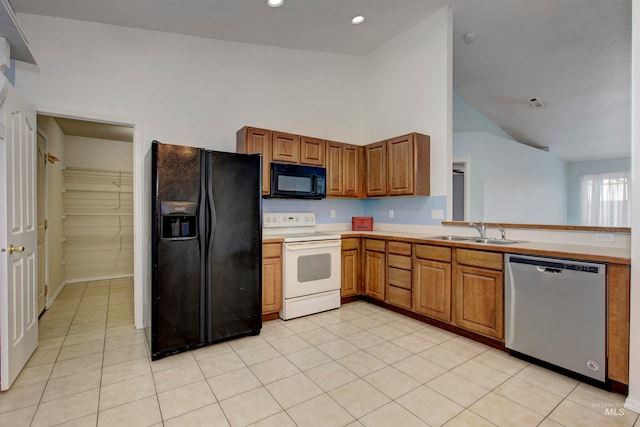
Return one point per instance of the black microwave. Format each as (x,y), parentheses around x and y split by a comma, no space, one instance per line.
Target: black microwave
(298,181)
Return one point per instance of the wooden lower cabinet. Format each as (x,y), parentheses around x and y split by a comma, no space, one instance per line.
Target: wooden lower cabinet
(351,272)
(375,267)
(399,274)
(479,300)
(619,322)
(432,289)
(271,278)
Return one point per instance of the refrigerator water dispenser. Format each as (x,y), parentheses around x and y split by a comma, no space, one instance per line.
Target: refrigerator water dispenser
(178,220)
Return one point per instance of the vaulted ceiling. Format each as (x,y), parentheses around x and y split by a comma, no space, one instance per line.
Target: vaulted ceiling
(573,55)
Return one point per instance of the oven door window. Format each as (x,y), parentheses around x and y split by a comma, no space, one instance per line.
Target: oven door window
(314,267)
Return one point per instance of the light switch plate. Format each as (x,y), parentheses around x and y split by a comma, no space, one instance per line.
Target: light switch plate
(437,214)
(391,214)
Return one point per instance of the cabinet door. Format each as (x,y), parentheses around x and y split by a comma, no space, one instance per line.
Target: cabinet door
(479,300)
(376,159)
(311,151)
(257,141)
(352,170)
(400,165)
(350,272)
(374,274)
(286,147)
(271,278)
(334,169)
(432,289)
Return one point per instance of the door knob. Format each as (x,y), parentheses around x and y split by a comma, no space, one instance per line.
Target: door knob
(13,249)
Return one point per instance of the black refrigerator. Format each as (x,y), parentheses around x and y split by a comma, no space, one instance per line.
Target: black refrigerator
(206,263)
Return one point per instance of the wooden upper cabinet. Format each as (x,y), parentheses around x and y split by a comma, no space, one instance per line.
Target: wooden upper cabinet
(311,151)
(285,147)
(376,158)
(344,164)
(352,170)
(251,141)
(408,166)
(334,169)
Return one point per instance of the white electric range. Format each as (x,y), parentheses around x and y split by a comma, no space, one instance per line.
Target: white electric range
(311,264)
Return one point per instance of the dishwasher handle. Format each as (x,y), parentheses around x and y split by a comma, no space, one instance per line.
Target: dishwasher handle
(556,266)
(549,270)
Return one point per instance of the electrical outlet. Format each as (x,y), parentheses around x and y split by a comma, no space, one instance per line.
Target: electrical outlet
(391,214)
(608,237)
(437,214)
(333,213)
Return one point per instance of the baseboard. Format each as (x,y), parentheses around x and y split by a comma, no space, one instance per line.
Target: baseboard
(95,279)
(632,404)
(51,300)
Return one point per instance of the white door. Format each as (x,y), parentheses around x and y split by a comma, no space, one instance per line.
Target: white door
(18,234)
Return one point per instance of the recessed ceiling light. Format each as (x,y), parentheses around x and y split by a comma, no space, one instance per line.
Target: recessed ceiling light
(275,3)
(357,20)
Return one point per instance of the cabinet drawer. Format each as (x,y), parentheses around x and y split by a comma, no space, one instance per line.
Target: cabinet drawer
(400,278)
(400,297)
(400,248)
(400,261)
(351,243)
(436,253)
(483,259)
(375,245)
(271,250)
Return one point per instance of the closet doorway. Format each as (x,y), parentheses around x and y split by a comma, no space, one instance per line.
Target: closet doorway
(88,202)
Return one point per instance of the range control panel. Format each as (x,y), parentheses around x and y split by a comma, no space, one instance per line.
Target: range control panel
(287,219)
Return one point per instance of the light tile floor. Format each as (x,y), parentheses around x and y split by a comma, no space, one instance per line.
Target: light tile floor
(358,365)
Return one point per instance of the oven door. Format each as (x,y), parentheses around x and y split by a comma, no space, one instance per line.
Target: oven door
(311,267)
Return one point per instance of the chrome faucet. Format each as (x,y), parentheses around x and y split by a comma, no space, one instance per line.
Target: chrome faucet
(481,229)
(503,233)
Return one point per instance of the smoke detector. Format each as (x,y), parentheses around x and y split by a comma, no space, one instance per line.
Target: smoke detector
(469,38)
(536,103)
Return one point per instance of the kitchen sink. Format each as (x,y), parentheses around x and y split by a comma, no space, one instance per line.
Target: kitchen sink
(454,238)
(496,241)
(477,240)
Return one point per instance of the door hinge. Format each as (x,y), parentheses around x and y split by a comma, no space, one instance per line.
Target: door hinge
(46,224)
(46,290)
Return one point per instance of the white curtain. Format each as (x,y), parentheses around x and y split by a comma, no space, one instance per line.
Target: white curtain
(606,199)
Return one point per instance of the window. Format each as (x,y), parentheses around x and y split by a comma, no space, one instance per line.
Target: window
(605,199)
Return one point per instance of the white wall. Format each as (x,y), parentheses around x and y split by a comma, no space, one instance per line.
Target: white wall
(98,153)
(633,400)
(467,118)
(186,90)
(194,91)
(189,90)
(516,183)
(55,208)
(408,88)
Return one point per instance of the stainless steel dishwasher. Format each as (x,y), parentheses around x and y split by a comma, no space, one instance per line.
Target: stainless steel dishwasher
(555,311)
